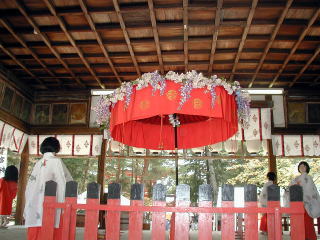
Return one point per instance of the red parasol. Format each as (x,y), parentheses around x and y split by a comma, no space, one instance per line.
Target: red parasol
(145,121)
(174,112)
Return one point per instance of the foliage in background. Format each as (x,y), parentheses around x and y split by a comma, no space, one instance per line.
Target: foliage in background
(193,173)
(246,171)
(83,170)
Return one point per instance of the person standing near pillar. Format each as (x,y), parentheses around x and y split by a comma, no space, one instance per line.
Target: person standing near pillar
(263,200)
(8,191)
(48,168)
(311,199)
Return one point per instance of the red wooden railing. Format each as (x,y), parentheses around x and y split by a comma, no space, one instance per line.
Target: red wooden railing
(181,210)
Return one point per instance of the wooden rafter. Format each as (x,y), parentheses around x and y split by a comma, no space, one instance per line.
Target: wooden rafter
(244,37)
(126,35)
(172,24)
(215,34)
(185,35)
(201,5)
(283,38)
(23,43)
(132,75)
(46,40)
(296,45)
(316,53)
(99,39)
(270,42)
(72,41)
(154,65)
(155,34)
(21,65)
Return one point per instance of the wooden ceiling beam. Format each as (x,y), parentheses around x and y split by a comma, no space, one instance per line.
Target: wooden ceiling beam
(23,43)
(18,62)
(115,55)
(217,20)
(244,36)
(197,6)
(72,41)
(121,55)
(134,26)
(270,42)
(173,64)
(296,45)
(99,38)
(38,44)
(185,34)
(155,34)
(126,35)
(316,53)
(23,11)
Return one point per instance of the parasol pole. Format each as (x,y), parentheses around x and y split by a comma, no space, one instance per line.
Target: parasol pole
(176,148)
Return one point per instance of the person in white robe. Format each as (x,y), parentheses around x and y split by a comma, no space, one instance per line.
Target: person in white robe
(263,200)
(311,198)
(49,167)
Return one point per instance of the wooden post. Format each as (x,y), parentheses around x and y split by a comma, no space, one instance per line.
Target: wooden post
(205,219)
(227,220)
(182,222)
(23,178)
(112,218)
(92,216)
(101,167)
(136,218)
(159,218)
(274,226)
(297,220)
(271,158)
(251,220)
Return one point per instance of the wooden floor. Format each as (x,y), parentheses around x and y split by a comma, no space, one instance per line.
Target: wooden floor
(19,232)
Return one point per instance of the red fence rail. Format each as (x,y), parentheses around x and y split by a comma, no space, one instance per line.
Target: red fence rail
(181,210)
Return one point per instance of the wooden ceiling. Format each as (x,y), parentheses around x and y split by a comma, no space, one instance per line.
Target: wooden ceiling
(83,44)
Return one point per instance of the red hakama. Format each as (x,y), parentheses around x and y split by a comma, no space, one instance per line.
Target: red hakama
(309,227)
(264,223)
(34,233)
(8,191)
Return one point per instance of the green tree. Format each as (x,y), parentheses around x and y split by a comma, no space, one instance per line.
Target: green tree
(193,173)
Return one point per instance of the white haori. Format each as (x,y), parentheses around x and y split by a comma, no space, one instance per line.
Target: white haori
(263,198)
(46,169)
(311,198)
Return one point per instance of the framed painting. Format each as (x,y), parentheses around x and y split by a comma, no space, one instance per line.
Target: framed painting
(26,110)
(16,108)
(296,113)
(59,114)
(313,113)
(7,98)
(41,114)
(78,113)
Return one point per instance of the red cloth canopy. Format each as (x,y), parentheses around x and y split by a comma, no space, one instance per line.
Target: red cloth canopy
(144,123)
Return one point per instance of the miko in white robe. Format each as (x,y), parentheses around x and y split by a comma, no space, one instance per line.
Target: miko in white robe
(311,198)
(263,198)
(48,168)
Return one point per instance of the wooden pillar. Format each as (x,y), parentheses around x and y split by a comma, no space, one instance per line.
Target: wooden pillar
(272,161)
(101,166)
(23,178)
